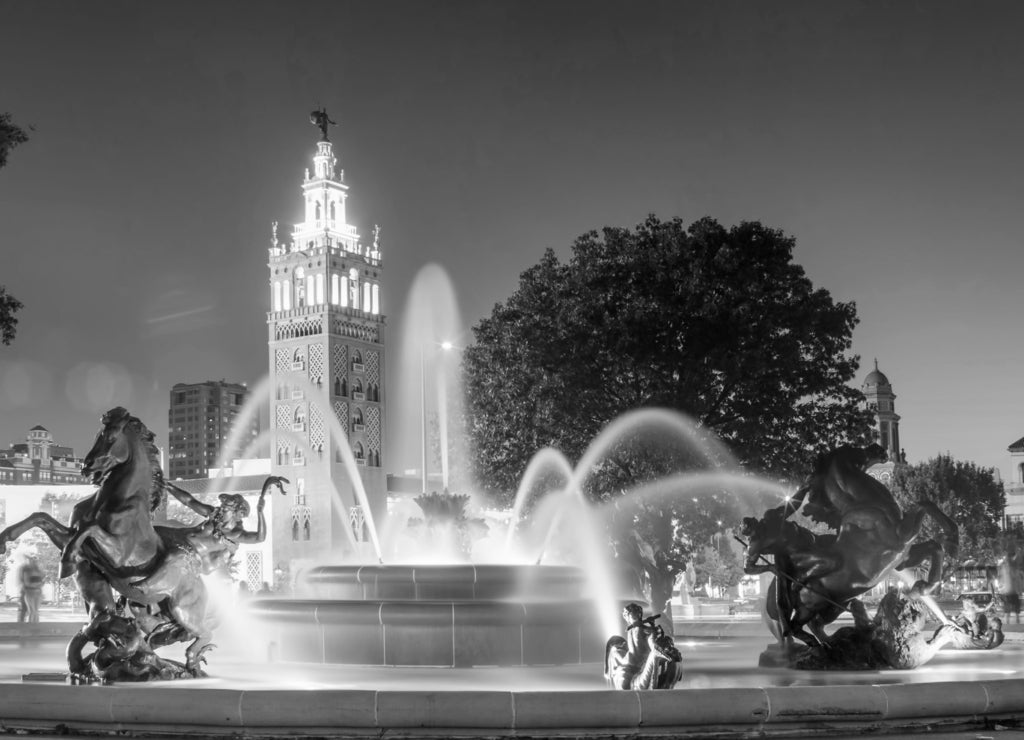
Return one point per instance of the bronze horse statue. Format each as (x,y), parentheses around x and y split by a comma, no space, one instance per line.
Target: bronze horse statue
(112,546)
(819,576)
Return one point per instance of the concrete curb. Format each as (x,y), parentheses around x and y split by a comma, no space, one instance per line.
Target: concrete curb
(775,711)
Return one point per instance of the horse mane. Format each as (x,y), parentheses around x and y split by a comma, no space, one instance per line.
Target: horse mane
(156,492)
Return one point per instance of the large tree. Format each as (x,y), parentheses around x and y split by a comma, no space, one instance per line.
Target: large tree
(716,322)
(971,495)
(10,136)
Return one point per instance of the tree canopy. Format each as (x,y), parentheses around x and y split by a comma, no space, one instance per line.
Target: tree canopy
(970,495)
(718,323)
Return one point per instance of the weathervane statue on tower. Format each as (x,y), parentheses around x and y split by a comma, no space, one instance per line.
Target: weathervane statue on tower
(320,119)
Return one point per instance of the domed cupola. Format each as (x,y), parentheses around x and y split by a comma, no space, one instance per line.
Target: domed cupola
(879,398)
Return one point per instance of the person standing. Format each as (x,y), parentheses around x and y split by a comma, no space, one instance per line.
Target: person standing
(31,579)
(1010,575)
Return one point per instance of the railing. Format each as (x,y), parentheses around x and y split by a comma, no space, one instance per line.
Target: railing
(358,367)
(358,396)
(298,427)
(358,427)
(297,394)
(298,365)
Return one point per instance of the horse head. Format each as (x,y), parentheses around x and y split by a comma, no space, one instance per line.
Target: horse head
(116,442)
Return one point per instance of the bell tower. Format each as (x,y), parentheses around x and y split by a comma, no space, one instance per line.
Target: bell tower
(326,334)
(879,396)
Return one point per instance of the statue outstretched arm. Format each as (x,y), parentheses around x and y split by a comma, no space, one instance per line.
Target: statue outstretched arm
(204,510)
(251,538)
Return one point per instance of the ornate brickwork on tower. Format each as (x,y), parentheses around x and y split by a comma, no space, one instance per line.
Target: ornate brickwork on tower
(327,359)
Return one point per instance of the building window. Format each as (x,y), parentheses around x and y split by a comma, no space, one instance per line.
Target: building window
(376,299)
(335,289)
(286,296)
(367,300)
(320,289)
(277,296)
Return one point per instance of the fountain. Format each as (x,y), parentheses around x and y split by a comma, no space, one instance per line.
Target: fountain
(512,647)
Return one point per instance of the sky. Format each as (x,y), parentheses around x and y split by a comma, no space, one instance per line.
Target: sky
(883,136)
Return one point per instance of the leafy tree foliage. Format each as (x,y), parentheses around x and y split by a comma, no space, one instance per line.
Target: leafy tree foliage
(10,136)
(715,322)
(9,305)
(970,495)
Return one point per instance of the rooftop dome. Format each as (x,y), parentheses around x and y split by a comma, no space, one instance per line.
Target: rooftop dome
(876,377)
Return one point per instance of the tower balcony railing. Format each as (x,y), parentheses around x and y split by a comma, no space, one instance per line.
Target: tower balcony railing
(357,367)
(318,308)
(358,426)
(358,396)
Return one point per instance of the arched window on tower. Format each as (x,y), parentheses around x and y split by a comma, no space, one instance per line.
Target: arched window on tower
(357,360)
(277,295)
(357,420)
(353,288)
(298,359)
(286,296)
(337,386)
(367,298)
(376,299)
(320,289)
(357,451)
(310,289)
(334,212)
(335,289)
(317,216)
(282,455)
(343,290)
(295,530)
(299,420)
(357,388)
(305,529)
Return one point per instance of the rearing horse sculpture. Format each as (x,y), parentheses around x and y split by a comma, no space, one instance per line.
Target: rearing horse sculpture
(112,545)
(820,576)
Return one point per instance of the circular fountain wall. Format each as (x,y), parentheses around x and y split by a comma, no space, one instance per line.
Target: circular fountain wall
(435,615)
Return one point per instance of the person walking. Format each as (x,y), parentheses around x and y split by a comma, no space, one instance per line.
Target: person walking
(1010,577)
(31,580)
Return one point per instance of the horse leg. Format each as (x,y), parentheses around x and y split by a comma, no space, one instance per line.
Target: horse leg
(54,530)
(950,530)
(918,553)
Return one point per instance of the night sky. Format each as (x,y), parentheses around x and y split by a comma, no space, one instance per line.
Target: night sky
(886,137)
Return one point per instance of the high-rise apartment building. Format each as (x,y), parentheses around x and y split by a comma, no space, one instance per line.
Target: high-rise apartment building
(204,431)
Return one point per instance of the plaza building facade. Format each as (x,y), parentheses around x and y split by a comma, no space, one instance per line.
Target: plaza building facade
(206,428)
(39,461)
(326,341)
(1013,514)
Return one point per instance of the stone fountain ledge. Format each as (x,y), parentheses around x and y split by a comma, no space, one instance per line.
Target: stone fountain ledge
(806,711)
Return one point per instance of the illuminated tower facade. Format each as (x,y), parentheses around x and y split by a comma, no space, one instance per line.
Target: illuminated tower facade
(327,359)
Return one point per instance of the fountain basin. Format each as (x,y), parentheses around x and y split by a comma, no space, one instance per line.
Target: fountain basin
(430,633)
(435,615)
(456,581)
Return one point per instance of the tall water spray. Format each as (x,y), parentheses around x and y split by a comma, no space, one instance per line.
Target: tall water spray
(431,330)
